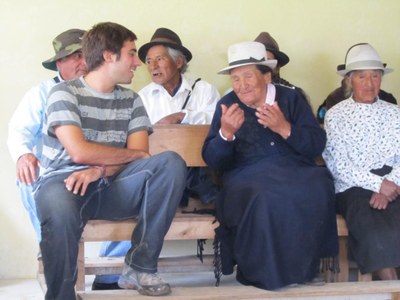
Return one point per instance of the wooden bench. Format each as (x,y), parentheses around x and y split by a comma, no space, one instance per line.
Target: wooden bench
(186,140)
(376,290)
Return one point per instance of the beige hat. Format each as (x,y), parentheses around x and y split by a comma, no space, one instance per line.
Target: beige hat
(247,53)
(362,57)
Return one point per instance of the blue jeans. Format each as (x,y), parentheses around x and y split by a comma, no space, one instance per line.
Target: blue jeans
(199,182)
(29,203)
(108,249)
(148,189)
(111,249)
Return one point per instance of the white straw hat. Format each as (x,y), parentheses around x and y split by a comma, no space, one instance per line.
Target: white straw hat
(247,53)
(362,57)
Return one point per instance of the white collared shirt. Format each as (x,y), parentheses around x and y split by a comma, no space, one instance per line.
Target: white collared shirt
(25,126)
(199,109)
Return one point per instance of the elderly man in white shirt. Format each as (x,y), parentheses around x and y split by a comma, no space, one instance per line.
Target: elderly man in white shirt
(363,155)
(171,97)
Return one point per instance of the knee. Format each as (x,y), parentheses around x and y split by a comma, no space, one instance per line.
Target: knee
(173,161)
(58,216)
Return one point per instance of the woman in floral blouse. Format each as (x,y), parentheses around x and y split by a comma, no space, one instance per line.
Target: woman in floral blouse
(363,154)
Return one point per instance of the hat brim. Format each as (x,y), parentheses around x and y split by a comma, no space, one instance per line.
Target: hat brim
(342,71)
(271,63)
(51,63)
(282,58)
(145,48)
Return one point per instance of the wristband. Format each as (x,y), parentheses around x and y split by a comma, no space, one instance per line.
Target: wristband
(224,138)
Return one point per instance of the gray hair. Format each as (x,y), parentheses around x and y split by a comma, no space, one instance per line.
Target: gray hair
(175,54)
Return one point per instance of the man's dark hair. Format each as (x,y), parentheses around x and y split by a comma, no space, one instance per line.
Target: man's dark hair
(102,37)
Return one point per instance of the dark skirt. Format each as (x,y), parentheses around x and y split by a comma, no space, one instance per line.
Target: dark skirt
(374,235)
(277,220)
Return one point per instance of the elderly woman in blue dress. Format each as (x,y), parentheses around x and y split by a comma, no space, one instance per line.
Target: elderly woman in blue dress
(276,207)
(363,154)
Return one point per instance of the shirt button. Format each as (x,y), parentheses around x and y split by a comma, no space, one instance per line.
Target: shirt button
(272,144)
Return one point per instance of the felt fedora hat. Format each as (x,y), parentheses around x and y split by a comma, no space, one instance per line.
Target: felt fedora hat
(166,37)
(64,44)
(247,53)
(362,57)
(272,46)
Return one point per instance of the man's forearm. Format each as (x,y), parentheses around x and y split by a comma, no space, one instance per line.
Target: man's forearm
(95,154)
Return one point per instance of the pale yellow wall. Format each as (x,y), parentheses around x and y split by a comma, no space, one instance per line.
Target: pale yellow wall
(314,33)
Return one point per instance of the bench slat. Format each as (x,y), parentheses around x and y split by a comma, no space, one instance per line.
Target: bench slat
(184,227)
(176,264)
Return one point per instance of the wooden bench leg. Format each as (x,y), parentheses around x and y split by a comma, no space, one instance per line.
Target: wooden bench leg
(80,282)
(343,260)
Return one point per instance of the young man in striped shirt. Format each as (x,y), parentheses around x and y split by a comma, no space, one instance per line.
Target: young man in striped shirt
(96,165)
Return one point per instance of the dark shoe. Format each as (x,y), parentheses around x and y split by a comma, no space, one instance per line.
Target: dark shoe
(105,286)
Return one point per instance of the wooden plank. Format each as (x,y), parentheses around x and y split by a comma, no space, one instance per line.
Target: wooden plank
(344,290)
(187,140)
(341,226)
(176,264)
(184,227)
(80,281)
(343,275)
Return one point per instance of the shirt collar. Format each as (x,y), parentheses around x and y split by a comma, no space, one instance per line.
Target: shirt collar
(157,88)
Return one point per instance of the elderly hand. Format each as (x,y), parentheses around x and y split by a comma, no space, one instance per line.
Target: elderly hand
(389,189)
(79,180)
(27,165)
(272,117)
(231,120)
(379,201)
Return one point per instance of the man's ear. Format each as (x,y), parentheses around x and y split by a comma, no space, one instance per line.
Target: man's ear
(108,56)
(179,62)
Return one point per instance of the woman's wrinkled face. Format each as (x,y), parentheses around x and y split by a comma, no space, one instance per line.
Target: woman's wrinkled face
(249,84)
(365,84)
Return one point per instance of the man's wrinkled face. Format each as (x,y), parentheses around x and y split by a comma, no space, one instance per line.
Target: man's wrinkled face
(72,66)
(162,67)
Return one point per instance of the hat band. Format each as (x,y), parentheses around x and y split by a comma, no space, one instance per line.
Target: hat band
(365,64)
(246,61)
(164,40)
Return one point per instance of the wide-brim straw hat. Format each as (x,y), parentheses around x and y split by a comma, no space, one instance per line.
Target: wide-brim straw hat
(64,44)
(247,53)
(272,46)
(362,56)
(165,37)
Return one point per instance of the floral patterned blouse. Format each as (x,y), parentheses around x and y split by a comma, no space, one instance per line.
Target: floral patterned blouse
(360,138)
